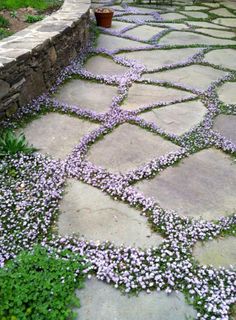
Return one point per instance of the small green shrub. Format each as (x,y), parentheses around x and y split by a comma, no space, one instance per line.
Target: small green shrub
(4,23)
(4,33)
(39,285)
(10,144)
(37,4)
(33,19)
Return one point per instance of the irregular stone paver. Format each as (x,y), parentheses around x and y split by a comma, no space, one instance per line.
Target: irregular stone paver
(222,12)
(204,24)
(113,43)
(43,133)
(119,151)
(172,16)
(105,66)
(195,14)
(177,26)
(229,22)
(188,38)
(227,92)
(78,92)
(142,17)
(89,212)
(222,57)
(226,125)
(230,4)
(143,95)
(100,301)
(202,185)
(160,58)
(217,33)
(144,33)
(177,118)
(211,5)
(119,25)
(195,76)
(219,253)
(146,10)
(195,8)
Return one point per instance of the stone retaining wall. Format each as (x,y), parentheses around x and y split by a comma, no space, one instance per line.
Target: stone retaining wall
(31,59)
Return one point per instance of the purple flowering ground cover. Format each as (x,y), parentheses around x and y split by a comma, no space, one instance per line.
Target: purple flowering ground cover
(31,186)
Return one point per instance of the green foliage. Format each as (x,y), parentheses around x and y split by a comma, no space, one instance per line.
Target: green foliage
(40,285)
(37,4)
(4,33)
(4,23)
(33,19)
(11,144)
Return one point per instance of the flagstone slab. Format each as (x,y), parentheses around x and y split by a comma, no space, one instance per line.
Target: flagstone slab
(144,33)
(177,118)
(230,4)
(190,38)
(217,33)
(57,134)
(172,16)
(100,301)
(195,76)
(140,17)
(195,8)
(222,57)
(219,253)
(89,212)
(100,65)
(204,24)
(195,14)
(228,22)
(113,43)
(119,25)
(141,95)
(153,59)
(222,12)
(78,92)
(226,125)
(227,93)
(211,5)
(146,10)
(128,147)
(177,26)
(202,185)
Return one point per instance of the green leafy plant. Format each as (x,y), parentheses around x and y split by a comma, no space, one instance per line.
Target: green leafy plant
(4,23)
(11,144)
(40,285)
(33,19)
(37,4)
(4,33)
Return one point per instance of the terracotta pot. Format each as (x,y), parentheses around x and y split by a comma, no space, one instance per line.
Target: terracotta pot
(104,19)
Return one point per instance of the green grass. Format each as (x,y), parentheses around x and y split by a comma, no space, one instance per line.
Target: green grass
(4,33)
(36,4)
(4,23)
(33,19)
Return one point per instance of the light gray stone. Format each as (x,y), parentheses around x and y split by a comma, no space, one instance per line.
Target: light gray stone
(195,76)
(172,16)
(87,95)
(210,4)
(222,12)
(4,88)
(89,212)
(56,134)
(113,43)
(203,185)
(100,65)
(119,25)
(226,125)
(177,26)
(119,151)
(141,17)
(230,4)
(141,95)
(222,57)
(159,58)
(229,22)
(144,33)
(146,10)
(195,14)
(195,8)
(204,24)
(219,253)
(100,301)
(177,118)
(217,33)
(227,92)
(189,38)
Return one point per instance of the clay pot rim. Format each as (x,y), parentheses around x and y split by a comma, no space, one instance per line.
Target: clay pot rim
(100,12)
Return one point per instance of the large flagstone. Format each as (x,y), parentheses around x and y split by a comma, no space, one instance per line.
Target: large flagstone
(229,22)
(204,24)
(195,14)
(177,118)
(100,301)
(222,57)
(153,59)
(203,185)
(141,95)
(222,12)
(128,147)
(78,92)
(172,16)
(144,33)
(57,134)
(227,92)
(195,8)
(217,33)
(140,17)
(119,25)
(226,125)
(100,65)
(189,38)
(113,43)
(219,253)
(87,211)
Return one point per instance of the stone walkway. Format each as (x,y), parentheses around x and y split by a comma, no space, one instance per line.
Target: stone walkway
(154,99)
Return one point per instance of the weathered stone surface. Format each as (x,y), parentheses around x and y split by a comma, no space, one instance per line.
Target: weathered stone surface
(195,14)
(177,26)
(119,151)
(140,17)
(195,76)
(113,43)
(222,57)
(195,8)
(160,58)
(219,253)
(204,24)
(177,118)
(229,22)
(100,301)
(100,65)
(141,95)
(222,12)
(227,92)
(203,185)
(210,4)
(217,33)
(230,4)
(87,95)
(89,212)
(119,25)
(4,88)
(144,33)
(43,133)
(188,38)
(226,125)
(172,16)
